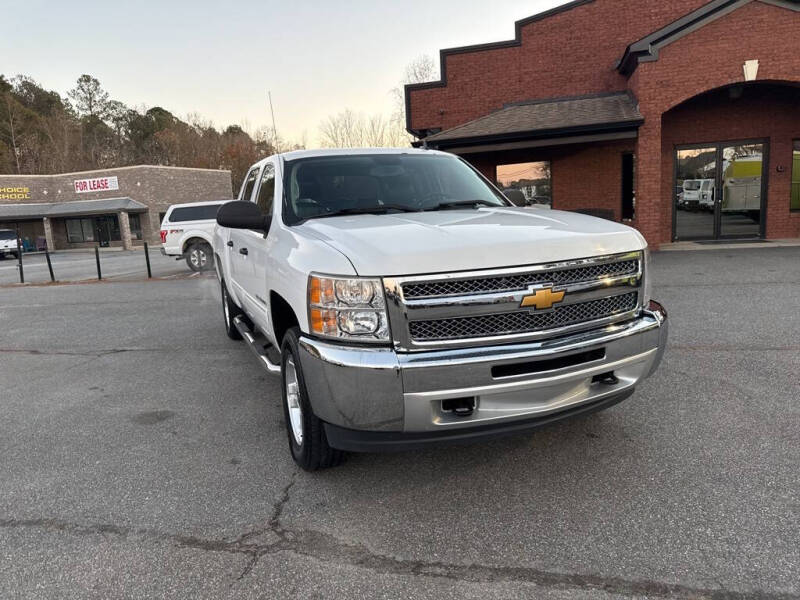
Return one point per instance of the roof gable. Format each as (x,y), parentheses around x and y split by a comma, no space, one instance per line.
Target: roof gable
(647,49)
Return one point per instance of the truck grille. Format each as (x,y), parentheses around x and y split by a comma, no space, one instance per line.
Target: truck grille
(473,308)
(521,321)
(487,285)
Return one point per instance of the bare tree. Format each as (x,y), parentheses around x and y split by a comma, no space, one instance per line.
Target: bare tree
(420,70)
(344,130)
(11,116)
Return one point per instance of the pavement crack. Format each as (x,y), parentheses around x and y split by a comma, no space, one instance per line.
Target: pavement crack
(329,549)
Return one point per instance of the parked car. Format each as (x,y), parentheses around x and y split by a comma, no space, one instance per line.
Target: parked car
(8,243)
(187,231)
(404,302)
(698,194)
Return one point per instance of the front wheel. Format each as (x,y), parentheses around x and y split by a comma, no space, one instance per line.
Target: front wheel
(307,440)
(198,257)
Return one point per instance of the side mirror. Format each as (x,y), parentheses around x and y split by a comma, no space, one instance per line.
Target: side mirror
(239,214)
(516,197)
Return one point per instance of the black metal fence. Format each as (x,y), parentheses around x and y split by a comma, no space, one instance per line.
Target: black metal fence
(147,267)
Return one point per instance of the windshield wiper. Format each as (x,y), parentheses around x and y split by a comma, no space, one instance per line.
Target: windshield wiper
(462,203)
(372,210)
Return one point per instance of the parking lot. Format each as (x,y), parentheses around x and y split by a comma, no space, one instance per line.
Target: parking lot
(82,266)
(142,453)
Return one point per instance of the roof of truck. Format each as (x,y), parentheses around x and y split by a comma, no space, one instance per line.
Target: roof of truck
(295,154)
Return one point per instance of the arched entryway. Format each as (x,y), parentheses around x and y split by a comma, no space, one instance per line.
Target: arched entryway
(731,157)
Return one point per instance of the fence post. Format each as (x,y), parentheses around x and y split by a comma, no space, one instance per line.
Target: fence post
(97,260)
(49,264)
(147,260)
(19,258)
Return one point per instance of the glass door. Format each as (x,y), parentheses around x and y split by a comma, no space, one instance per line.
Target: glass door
(719,191)
(695,180)
(741,180)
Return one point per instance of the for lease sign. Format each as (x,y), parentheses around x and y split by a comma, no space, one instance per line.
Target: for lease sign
(98,184)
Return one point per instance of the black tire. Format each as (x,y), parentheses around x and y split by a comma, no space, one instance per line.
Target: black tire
(312,452)
(200,257)
(229,312)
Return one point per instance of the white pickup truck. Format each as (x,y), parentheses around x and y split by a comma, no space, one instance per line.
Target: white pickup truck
(404,301)
(186,232)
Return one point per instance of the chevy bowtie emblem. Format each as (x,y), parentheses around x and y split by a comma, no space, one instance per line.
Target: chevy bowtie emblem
(542,299)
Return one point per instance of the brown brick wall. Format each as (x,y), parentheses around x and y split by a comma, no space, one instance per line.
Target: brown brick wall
(567,54)
(762,111)
(589,177)
(155,187)
(574,52)
(710,58)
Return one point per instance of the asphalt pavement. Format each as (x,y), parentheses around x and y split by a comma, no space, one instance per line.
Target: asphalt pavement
(143,455)
(82,266)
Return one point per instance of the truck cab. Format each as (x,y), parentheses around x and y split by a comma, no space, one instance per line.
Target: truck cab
(405,302)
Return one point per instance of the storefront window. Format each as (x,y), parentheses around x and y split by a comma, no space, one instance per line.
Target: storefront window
(795,205)
(94,229)
(532,179)
(80,230)
(136,226)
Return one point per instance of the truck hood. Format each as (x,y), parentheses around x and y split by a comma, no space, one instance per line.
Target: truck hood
(460,240)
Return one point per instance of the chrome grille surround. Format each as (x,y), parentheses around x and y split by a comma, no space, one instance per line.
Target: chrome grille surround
(598,291)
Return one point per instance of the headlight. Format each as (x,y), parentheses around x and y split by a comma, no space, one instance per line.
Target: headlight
(347,308)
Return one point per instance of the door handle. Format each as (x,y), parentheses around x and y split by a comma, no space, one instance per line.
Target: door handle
(243,251)
(230,244)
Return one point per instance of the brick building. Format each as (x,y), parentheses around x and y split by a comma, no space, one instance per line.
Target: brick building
(110,207)
(681,117)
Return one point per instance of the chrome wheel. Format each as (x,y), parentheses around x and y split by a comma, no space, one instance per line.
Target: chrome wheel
(293,401)
(198,258)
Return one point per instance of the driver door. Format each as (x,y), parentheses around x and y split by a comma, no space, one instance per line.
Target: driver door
(239,265)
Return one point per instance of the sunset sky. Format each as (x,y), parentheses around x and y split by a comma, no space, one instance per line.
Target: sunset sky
(219,59)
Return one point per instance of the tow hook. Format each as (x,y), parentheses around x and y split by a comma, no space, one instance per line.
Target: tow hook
(606,378)
(461,407)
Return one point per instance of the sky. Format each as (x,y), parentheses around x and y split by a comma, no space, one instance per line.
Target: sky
(219,59)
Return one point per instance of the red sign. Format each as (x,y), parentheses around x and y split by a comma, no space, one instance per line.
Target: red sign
(98,184)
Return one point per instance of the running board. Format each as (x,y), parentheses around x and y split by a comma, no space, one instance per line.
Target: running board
(259,345)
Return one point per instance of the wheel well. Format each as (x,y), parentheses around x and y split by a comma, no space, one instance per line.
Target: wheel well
(195,240)
(283,317)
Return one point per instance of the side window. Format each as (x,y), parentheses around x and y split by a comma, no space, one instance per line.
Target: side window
(266,190)
(248,185)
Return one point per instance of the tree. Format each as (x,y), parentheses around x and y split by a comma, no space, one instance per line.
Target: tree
(420,70)
(89,97)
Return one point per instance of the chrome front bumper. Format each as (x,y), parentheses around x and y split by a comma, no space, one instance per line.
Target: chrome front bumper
(377,390)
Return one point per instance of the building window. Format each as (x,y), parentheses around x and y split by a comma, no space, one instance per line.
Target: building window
(136,226)
(628,186)
(80,230)
(93,229)
(795,205)
(532,179)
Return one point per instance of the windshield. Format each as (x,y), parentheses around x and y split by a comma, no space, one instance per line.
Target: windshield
(7,234)
(378,183)
(692,184)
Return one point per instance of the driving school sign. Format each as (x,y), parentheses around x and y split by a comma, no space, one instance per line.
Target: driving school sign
(97,184)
